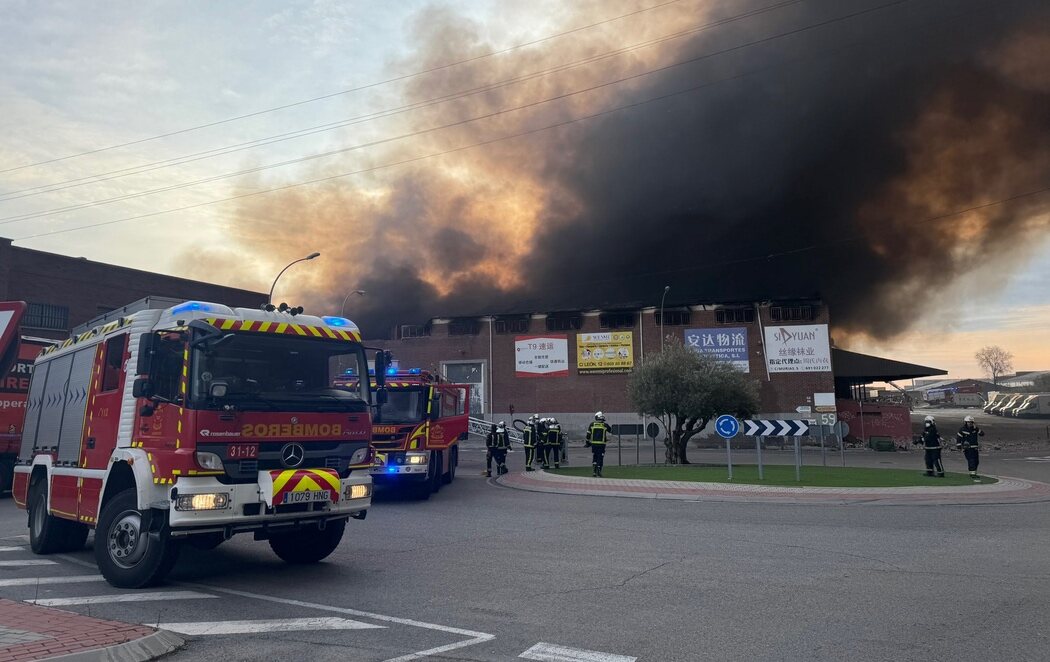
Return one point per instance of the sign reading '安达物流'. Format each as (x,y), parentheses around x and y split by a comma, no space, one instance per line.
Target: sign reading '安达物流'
(727,344)
(541,356)
(802,348)
(608,352)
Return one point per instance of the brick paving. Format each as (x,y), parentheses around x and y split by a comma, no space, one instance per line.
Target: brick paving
(28,632)
(1007,490)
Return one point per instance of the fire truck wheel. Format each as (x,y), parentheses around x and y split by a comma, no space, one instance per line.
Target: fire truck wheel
(127,555)
(308,545)
(453,460)
(49,534)
(434,476)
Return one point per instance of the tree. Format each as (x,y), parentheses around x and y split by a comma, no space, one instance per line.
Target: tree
(685,390)
(995,361)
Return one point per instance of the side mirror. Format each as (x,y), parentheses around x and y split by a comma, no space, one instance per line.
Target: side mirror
(435,407)
(381,397)
(218,389)
(382,363)
(142,388)
(147,347)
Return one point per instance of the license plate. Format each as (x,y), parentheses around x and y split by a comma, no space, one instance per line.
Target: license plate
(306,497)
(242,451)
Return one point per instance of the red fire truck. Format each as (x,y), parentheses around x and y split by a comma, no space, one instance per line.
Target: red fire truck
(13,390)
(191,424)
(417,430)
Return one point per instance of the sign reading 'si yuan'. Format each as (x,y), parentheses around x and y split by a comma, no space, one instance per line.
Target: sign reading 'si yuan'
(803,348)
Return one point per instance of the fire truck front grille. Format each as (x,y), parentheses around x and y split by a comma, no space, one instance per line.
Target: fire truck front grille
(333,463)
(249,466)
(327,454)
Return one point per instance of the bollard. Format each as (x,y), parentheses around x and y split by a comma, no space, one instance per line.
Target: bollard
(798,460)
(729,458)
(758,449)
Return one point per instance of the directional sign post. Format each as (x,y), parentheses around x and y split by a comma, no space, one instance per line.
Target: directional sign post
(728,427)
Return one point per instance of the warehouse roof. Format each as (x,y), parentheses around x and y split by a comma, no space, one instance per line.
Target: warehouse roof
(864,369)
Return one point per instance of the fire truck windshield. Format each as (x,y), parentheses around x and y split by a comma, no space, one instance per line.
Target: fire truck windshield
(403,405)
(268,371)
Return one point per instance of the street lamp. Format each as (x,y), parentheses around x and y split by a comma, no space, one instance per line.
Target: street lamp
(311,256)
(346,298)
(667,288)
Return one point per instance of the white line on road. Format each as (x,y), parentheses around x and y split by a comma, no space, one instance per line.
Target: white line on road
(121,597)
(272,625)
(475,637)
(24,563)
(12,549)
(33,581)
(554,653)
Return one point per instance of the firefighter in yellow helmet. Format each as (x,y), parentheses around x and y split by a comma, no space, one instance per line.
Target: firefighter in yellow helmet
(597,436)
(529,440)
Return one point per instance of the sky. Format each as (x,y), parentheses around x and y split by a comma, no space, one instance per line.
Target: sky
(80,76)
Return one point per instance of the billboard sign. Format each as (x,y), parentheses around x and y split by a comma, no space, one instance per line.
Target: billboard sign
(605,353)
(802,348)
(727,344)
(541,356)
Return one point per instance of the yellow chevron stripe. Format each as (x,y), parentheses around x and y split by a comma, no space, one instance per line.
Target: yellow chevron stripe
(265,326)
(227,325)
(342,334)
(307,484)
(314,330)
(328,332)
(327,477)
(281,327)
(282,479)
(298,329)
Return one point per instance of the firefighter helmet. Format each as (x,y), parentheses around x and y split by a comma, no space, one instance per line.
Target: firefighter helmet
(502,426)
(968,419)
(598,416)
(929,418)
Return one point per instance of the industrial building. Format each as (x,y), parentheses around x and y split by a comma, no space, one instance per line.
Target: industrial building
(572,362)
(63,292)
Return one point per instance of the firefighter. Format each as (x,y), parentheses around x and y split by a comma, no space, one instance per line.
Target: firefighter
(597,436)
(967,440)
(931,446)
(552,444)
(541,442)
(500,445)
(489,438)
(528,440)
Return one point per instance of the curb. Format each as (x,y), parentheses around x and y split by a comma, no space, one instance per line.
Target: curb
(149,647)
(1009,491)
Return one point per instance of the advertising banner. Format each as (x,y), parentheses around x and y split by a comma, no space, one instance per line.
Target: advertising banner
(727,344)
(541,356)
(803,348)
(605,353)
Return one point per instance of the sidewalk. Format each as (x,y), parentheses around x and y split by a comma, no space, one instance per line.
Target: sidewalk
(1006,491)
(28,632)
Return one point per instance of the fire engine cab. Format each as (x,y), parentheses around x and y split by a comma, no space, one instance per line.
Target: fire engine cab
(191,424)
(417,430)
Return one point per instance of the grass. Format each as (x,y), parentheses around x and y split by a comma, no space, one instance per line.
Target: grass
(783,475)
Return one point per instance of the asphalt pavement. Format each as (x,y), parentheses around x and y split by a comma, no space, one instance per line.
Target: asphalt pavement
(481,572)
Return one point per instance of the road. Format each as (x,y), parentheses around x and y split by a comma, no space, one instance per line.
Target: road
(481,572)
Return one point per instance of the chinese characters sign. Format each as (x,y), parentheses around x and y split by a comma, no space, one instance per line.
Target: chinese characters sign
(608,352)
(798,348)
(727,344)
(541,356)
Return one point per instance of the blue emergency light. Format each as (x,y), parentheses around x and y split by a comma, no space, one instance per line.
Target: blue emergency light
(415,371)
(190,306)
(337,321)
(391,371)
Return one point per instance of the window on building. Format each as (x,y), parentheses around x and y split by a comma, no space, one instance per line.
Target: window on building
(511,325)
(414,331)
(801,313)
(616,320)
(673,317)
(469,327)
(46,316)
(564,322)
(114,363)
(735,315)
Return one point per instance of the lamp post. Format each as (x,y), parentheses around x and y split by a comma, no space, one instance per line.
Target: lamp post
(311,256)
(347,298)
(667,288)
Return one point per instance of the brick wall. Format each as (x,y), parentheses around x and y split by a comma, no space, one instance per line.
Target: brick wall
(90,288)
(580,394)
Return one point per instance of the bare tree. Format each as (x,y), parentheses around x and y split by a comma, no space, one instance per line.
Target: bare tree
(995,361)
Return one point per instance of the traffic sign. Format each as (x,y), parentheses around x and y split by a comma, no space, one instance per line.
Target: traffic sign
(726,426)
(761,428)
(803,409)
(827,418)
(842,428)
(652,430)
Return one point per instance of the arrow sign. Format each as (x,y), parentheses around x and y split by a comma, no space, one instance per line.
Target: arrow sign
(762,428)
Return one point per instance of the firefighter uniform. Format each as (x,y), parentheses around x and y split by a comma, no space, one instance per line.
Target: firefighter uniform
(528,440)
(488,450)
(552,445)
(931,445)
(541,442)
(500,445)
(597,437)
(968,441)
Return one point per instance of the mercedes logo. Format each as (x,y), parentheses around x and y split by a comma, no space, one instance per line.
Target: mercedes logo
(292,455)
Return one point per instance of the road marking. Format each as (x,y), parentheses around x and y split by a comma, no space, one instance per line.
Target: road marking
(121,597)
(272,625)
(12,549)
(25,562)
(554,653)
(474,637)
(33,581)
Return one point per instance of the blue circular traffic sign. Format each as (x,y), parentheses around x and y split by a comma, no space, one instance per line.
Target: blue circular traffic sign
(726,426)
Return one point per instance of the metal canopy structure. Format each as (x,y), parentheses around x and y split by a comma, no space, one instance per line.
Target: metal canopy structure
(853,368)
